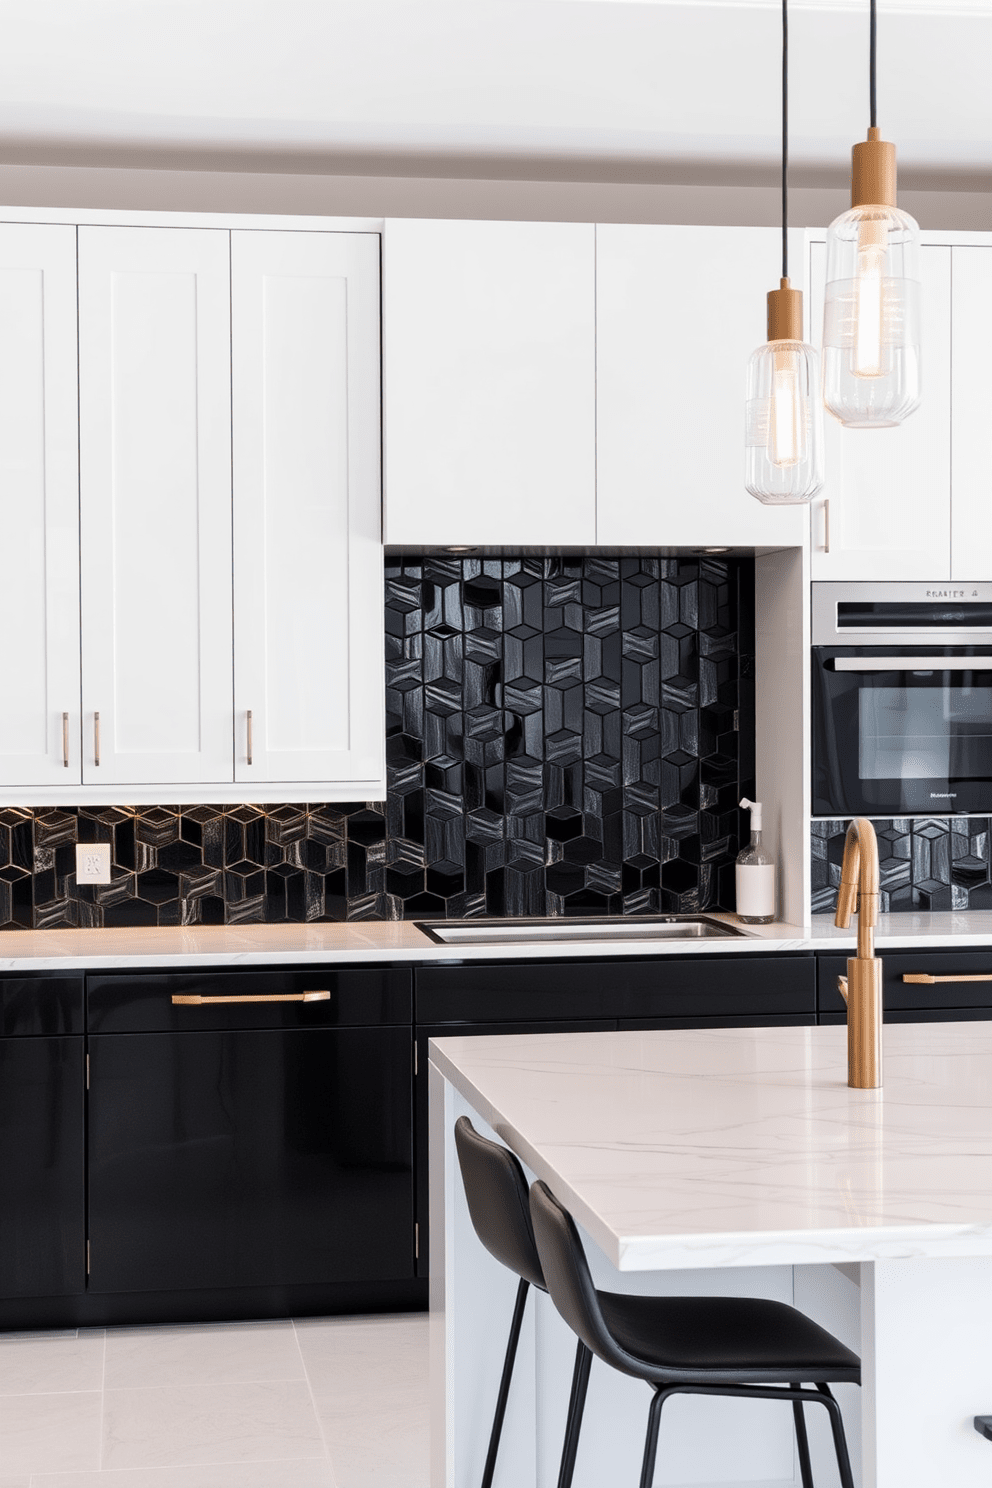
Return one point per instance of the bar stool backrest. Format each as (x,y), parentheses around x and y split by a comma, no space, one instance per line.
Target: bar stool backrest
(496,1190)
(568,1280)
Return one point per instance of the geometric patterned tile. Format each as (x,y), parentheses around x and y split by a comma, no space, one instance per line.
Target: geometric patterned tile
(926,863)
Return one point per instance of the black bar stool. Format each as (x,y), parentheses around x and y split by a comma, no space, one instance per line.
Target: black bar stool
(742,1346)
(496,1191)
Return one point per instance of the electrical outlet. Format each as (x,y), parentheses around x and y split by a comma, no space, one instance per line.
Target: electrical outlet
(93,862)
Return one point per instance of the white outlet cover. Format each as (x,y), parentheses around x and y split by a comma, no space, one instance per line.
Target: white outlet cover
(93,862)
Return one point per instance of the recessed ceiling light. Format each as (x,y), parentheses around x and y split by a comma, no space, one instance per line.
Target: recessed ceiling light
(715,550)
(459,548)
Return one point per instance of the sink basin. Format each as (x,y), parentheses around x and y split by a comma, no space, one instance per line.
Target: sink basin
(567,931)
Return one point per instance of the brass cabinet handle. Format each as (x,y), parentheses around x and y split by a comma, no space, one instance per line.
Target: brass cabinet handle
(826,524)
(65,740)
(96,738)
(249,736)
(195,1000)
(921,976)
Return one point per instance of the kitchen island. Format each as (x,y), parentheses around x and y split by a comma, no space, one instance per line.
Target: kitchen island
(731,1161)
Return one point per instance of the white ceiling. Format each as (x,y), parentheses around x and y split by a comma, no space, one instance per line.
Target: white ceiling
(622,90)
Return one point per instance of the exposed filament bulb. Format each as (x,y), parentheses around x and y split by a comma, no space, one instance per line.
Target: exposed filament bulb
(869,305)
(785,441)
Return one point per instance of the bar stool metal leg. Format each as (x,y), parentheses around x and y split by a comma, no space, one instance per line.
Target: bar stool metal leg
(840,1440)
(802,1442)
(576,1405)
(504,1384)
(651,1440)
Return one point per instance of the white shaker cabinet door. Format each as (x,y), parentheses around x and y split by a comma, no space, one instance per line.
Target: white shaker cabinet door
(679,312)
(309,647)
(971,423)
(884,511)
(39,596)
(489,383)
(155,505)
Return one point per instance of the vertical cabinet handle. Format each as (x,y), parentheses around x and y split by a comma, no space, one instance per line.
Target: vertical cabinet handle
(826,524)
(96,738)
(65,740)
(249,736)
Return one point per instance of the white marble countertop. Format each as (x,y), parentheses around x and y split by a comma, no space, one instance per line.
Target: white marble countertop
(381,940)
(743,1147)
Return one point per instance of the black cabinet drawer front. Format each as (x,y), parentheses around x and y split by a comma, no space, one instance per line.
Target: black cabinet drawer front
(123,1003)
(919,1015)
(897,993)
(40,1005)
(250,1157)
(665,987)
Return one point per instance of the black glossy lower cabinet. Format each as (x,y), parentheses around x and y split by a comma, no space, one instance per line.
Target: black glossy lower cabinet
(960,989)
(42,1217)
(249,1157)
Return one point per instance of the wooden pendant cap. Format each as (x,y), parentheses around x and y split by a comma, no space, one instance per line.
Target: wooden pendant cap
(873,173)
(785,313)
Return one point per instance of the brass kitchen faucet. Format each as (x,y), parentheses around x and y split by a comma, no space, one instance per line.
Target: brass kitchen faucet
(861,989)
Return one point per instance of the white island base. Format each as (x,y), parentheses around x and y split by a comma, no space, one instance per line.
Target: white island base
(732,1162)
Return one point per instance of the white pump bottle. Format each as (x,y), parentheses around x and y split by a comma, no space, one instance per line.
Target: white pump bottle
(755,875)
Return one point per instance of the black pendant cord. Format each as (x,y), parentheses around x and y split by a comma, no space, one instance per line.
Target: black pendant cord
(872,46)
(785,137)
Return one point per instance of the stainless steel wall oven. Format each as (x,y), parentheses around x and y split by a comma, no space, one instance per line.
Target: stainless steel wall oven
(902,699)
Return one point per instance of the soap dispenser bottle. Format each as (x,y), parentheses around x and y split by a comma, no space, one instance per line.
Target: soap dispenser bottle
(755,875)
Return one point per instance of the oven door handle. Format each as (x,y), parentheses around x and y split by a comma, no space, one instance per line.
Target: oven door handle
(912,663)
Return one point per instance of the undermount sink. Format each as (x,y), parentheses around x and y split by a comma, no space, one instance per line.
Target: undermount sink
(648,927)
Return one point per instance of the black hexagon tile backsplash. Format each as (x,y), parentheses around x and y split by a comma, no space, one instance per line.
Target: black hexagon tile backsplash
(563,737)
(925,863)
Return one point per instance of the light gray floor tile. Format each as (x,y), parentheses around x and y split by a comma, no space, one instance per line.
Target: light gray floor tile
(370,1385)
(15,1482)
(214,1354)
(382,1446)
(297,1473)
(47,1365)
(355,1358)
(50,1433)
(178,1425)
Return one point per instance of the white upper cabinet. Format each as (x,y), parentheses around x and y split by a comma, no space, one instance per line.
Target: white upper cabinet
(679,312)
(308,601)
(155,505)
(39,596)
(489,383)
(971,429)
(885,508)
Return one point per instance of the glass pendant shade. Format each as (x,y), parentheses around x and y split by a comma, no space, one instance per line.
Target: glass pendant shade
(783,464)
(871,322)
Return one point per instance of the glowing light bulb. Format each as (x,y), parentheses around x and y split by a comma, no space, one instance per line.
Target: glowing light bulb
(869,299)
(785,434)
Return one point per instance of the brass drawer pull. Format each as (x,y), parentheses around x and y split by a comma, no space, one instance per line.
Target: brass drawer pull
(921,976)
(194,999)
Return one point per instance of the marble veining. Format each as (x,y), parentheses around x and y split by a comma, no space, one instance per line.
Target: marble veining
(740,1147)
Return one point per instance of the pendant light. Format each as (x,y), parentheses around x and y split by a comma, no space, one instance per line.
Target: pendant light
(783,463)
(871,321)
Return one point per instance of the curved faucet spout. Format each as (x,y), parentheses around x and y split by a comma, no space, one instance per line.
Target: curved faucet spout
(859,884)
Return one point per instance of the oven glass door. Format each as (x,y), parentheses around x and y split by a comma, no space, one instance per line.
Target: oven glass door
(902,730)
